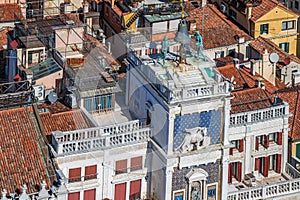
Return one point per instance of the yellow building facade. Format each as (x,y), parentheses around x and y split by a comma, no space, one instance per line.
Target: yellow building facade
(268,19)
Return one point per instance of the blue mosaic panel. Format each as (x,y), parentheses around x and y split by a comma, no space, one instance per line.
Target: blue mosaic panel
(212,120)
(180,182)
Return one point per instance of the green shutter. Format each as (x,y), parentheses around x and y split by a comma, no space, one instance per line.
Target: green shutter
(298,150)
(287,47)
(247,52)
(261,29)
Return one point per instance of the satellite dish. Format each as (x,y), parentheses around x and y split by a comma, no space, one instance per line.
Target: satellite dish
(287,61)
(274,57)
(52,97)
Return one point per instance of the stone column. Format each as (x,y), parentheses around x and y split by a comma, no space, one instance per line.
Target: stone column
(62,192)
(285,138)
(224,177)
(170,134)
(168,185)
(247,154)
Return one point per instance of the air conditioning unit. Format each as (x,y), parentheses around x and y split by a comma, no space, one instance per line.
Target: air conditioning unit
(39,92)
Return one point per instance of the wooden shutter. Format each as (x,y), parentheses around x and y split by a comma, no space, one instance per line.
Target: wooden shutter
(239,168)
(90,172)
(74,196)
(75,175)
(279,138)
(136,163)
(231,151)
(135,190)
(241,147)
(229,173)
(278,163)
(267,141)
(257,164)
(121,166)
(90,194)
(266,166)
(120,191)
(257,143)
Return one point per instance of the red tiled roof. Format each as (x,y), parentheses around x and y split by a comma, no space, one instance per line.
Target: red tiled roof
(64,121)
(261,44)
(20,155)
(262,9)
(218,30)
(243,77)
(292,97)
(265,7)
(250,99)
(10,12)
(230,71)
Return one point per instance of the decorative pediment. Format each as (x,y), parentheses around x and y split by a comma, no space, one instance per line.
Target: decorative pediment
(196,174)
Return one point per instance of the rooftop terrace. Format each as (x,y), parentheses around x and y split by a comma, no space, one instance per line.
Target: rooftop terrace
(178,80)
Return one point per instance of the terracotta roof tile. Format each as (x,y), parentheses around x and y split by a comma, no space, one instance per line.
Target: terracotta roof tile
(10,12)
(64,121)
(20,156)
(292,97)
(265,7)
(250,99)
(261,44)
(218,30)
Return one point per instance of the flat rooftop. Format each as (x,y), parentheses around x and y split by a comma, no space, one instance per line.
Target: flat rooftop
(194,72)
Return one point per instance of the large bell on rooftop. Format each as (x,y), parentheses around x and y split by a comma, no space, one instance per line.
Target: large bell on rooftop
(182,34)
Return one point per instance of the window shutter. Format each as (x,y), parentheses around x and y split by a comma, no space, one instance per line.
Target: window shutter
(121,166)
(261,29)
(239,165)
(75,175)
(257,164)
(278,163)
(136,163)
(90,172)
(279,138)
(241,147)
(257,143)
(229,173)
(266,166)
(287,49)
(74,196)
(267,141)
(231,151)
(135,190)
(120,191)
(90,194)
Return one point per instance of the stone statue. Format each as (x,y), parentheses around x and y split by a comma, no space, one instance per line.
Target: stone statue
(164,48)
(196,191)
(199,44)
(193,139)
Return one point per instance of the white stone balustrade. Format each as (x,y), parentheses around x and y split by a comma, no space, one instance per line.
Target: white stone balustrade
(258,115)
(99,138)
(285,188)
(220,86)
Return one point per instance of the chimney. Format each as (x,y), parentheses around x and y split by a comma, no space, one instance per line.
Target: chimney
(259,82)
(296,78)
(252,67)
(203,3)
(112,2)
(109,47)
(67,8)
(249,10)
(85,5)
(236,63)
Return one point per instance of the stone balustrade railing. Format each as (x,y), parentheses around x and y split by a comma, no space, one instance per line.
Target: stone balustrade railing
(289,187)
(258,115)
(99,138)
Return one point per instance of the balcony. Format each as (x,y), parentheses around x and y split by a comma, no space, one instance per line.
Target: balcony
(244,118)
(271,188)
(99,138)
